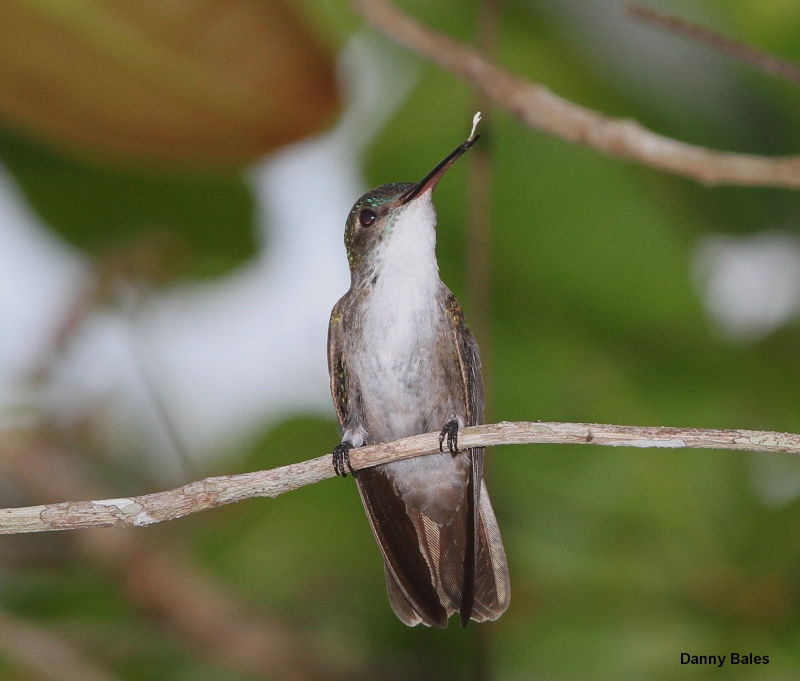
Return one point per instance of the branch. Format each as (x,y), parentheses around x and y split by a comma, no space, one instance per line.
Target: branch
(752,56)
(538,107)
(213,492)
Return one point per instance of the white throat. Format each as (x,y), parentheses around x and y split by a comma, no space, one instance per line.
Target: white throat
(408,274)
(402,297)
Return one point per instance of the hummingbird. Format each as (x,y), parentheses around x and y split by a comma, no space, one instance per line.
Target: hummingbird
(402,362)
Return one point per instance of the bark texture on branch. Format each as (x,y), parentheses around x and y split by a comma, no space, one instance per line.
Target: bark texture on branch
(538,107)
(217,491)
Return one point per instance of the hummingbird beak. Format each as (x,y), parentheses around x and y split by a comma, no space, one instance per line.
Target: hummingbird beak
(433,177)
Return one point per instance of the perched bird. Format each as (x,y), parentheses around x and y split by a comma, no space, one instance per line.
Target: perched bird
(403,362)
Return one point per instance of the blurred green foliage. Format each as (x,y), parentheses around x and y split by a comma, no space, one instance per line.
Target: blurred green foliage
(103,210)
(620,559)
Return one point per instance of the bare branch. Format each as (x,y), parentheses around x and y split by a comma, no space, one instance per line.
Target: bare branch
(752,56)
(538,107)
(212,492)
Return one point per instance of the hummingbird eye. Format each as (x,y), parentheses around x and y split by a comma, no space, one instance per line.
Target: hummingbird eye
(366,217)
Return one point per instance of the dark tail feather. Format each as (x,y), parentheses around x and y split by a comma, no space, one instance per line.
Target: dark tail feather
(402,608)
(471,539)
(492,586)
(399,543)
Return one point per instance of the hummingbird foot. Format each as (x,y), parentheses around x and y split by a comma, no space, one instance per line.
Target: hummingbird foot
(450,431)
(341,458)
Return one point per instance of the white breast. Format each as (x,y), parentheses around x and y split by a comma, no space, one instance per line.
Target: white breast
(400,322)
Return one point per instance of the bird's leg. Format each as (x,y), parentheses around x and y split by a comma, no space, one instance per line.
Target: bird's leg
(341,458)
(450,431)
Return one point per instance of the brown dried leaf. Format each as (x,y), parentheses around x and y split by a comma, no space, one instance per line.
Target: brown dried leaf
(184,82)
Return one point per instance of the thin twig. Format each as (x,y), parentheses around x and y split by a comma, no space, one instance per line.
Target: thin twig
(130,302)
(538,107)
(213,492)
(752,56)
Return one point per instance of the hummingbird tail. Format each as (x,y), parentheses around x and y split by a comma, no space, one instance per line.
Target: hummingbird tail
(409,580)
(402,608)
(492,584)
(471,538)
(436,569)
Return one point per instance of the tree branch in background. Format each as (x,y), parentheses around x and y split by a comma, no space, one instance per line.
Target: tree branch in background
(747,54)
(538,107)
(210,493)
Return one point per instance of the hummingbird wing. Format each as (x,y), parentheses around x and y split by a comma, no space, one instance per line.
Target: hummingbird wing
(486,585)
(469,364)
(336,368)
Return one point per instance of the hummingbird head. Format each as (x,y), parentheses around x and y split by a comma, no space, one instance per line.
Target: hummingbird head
(396,208)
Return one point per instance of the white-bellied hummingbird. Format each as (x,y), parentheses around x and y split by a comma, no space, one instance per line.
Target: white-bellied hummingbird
(403,362)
